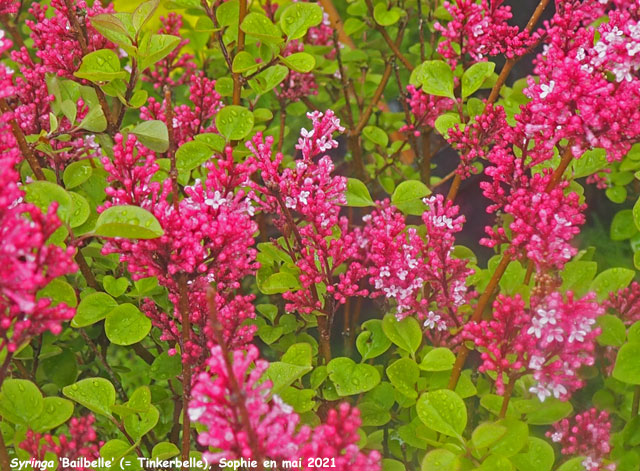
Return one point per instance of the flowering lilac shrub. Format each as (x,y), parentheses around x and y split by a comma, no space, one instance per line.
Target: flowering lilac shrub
(320,235)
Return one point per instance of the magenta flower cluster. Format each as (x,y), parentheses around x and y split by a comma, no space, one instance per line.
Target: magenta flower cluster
(586,435)
(244,420)
(551,340)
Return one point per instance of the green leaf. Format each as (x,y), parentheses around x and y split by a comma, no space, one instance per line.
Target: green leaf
(589,163)
(259,26)
(617,194)
(443,411)
(386,17)
(574,464)
(627,367)
(96,394)
(357,194)
(191,155)
(153,134)
(513,441)
(100,66)
(611,280)
(139,424)
(165,367)
(76,174)
(81,210)
(544,413)
(143,13)
(406,333)
(376,135)
(94,120)
(440,459)
(93,308)
(164,451)
(300,61)
(351,378)
(474,77)
(539,456)
(234,122)
(300,399)
(126,325)
(243,62)
(138,99)
(438,359)
(55,411)
(373,414)
(112,28)
(297,18)
(436,78)
(42,194)
(284,374)
(59,291)
(115,449)
(20,401)
(372,342)
(115,287)
(577,276)
(278,283)
(495,463)
(408,196)
(446,121)
(129,222)
(622,226)
(404,374)
(486,434)
(613,331)
(227,13)
(155,48)
(268,79)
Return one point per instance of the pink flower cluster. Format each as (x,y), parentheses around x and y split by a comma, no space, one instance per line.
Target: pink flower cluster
(164,72)
(208,237)
(425,109)
(575,99)
(306,200)
(6,74)
(587,435)
(55,40)
(242,422)
(8,6)
(481,30)
(27,262)
(188,121)
(543,222)
(552,340)
(418,272)
(82,442)
(625,303)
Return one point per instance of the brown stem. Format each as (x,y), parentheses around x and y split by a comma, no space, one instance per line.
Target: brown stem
(364,119)
(8,25)
(86,271)
(477,314)
(173,172)
(143,353)
(336,22)
(183,307)
(133,78)
(283,120)
(22,143)
(425,165)
(325,337)
(635,402)
(237,396)
(507,396)
(237,78)
(79,32)
(394,47)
